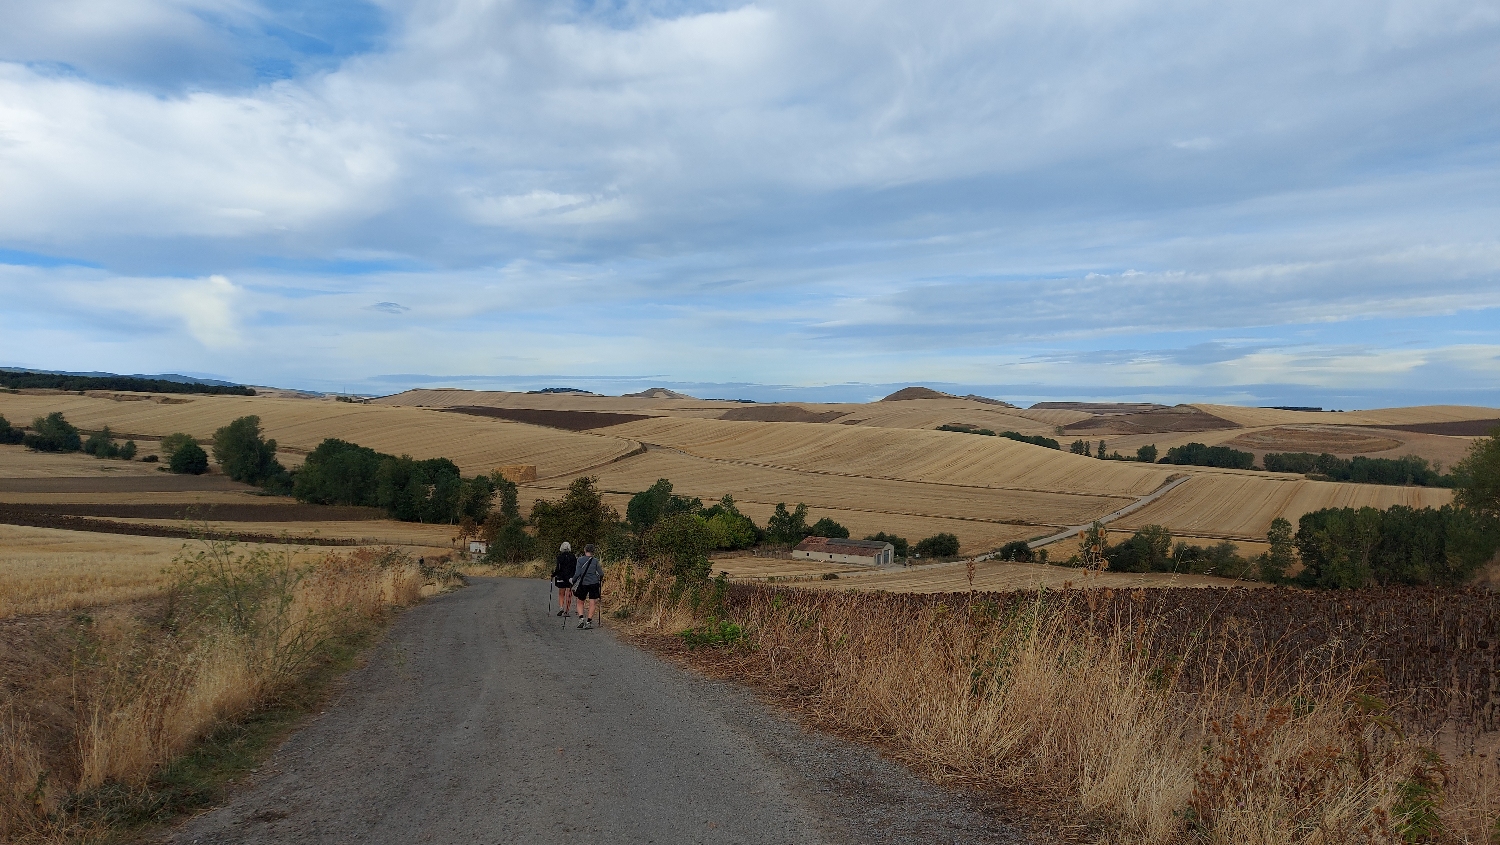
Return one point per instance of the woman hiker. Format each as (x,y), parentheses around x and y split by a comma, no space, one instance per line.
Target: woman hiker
(562,578)
(588,577)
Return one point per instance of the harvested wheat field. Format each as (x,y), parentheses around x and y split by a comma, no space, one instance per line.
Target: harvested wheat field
(298,425)
(1241,506)
(997,576)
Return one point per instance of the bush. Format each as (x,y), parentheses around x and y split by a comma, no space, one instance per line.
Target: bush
(8,433)
(680,543)
(149,459)
(1016,550)
(127,451)
(826,527)
(101,444)
(172,442)
(189,459)
(729,528)
(245,455)
(1197,454)
(902,549)
(1477,477)
(1033,439)
(52,433)
(938,545)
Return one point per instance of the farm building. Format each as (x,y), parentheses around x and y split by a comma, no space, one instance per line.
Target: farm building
(866,552)
(478,549)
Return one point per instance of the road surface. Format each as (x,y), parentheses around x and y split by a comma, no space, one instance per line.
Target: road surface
(480,719)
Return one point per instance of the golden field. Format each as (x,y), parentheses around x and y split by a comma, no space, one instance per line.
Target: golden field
(877,466)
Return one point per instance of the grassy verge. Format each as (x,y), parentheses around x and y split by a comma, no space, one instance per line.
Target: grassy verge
(139,715)
(1135,731)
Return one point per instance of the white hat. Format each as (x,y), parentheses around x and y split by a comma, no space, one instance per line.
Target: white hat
(566,548)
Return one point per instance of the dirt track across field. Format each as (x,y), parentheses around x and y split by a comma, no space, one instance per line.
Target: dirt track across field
(482,719)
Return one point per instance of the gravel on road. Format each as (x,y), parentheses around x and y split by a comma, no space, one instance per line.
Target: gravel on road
(483,719)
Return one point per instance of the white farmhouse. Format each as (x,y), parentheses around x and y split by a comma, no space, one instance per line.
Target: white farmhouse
(835,550)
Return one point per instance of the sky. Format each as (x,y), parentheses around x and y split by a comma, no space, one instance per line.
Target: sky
(1263,203)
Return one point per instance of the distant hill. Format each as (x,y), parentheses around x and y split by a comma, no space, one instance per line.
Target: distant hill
(907,393)
(657,393)
(563,390)
(1100,408)
(24,379)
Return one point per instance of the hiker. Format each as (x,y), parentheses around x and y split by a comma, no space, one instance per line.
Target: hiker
(587,579)
(562,578)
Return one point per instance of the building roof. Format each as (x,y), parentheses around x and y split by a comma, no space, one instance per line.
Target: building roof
(838,546)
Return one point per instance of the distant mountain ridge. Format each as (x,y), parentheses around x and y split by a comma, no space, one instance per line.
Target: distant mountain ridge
(172,377)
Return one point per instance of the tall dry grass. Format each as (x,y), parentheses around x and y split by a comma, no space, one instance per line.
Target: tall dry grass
(1022,695)
(235,629)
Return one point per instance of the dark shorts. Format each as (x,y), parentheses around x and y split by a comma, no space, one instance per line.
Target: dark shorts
(561,583)
(587,591)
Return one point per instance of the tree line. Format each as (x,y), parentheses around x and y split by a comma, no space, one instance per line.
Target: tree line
(55,381)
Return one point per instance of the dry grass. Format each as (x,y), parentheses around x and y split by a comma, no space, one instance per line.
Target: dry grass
(139,688)
(1025,697)
(993,575)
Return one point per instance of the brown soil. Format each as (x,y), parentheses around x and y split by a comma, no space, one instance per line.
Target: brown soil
(917,393)
(163,483)
(568,420)
(779,413)
(1180,418)
(1460,428)
(1337,440)
(31,517)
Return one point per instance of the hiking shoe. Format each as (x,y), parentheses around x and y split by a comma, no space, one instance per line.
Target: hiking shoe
(583,624)
(561,612)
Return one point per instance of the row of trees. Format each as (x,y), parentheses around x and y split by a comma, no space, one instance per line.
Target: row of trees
(1197,454)
(338,472)
(1145,454)
(1405,470)
(60,381)
(1033,439)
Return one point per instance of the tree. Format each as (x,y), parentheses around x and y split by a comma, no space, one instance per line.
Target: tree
(101,444)
(9,433)
(655,502)
(189,459)
(902,549)
(1016,550)
(1477,477)
(1149,549)
(789,528)
(1079,447)
(826,527)
(505,530)
(245,455)
(339,473)
(680,543)
(938,545)
(1275,562)
(580,517)
(1146,454)
(52,433)
(127,451)
(1101,453)
(730,528)
(172,442)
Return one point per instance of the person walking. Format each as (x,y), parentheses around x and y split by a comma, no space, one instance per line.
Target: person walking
(562,578)
(588,577)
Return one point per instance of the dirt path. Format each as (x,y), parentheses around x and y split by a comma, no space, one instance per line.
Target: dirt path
(482,719)
(1172,484)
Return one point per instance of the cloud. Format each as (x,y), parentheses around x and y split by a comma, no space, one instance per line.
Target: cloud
(956,191)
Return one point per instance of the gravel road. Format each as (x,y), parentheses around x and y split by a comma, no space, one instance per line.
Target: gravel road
(480,719)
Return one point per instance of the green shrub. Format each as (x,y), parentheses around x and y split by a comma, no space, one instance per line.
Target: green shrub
(127,451)
(826,527)
(580,517)
(101,444)
(938,545)
(1033,439)
(680,543)
(714,632)
(189,459)
(52,433)
(1016,550)
(656,502)
(8,433)
(1477,477)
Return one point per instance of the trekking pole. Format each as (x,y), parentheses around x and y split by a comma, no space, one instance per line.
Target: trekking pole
(550,587)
